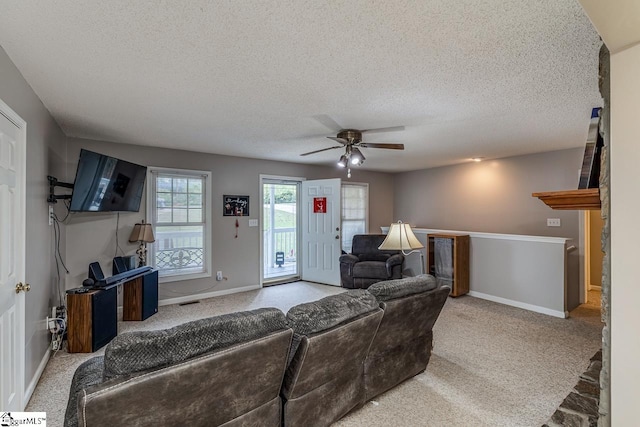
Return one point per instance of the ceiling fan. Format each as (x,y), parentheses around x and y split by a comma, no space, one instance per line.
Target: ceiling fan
(351,141)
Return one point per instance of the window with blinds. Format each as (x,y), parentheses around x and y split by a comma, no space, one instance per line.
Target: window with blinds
(179,209)
(355,212)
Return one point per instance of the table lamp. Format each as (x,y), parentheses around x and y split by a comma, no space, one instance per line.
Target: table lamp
(143,233)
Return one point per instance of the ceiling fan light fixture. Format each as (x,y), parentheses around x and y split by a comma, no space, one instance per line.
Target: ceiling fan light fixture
(343,161)
(357,158)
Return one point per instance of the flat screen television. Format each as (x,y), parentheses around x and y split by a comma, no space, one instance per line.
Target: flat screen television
(107,184)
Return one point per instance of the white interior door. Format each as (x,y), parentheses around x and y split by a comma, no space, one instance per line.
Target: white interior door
(321,243)
(12,236)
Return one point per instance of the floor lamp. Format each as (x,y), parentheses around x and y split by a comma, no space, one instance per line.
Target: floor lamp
(401,238)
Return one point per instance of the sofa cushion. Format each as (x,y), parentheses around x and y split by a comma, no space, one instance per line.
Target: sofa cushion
(398,288)
(143,350)
(328,312)
(373,257)
(371,269)
(365,246)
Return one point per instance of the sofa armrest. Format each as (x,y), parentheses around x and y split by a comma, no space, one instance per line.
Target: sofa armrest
(88,374)
(349,259)
(396,259)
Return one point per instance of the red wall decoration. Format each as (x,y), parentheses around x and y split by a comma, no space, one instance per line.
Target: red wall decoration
(319,205)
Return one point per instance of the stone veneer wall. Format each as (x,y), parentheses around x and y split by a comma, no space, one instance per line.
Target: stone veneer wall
(580,408)
(605,211)
(590,401)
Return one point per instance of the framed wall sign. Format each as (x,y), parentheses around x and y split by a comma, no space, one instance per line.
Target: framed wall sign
(319,205)
(235,205)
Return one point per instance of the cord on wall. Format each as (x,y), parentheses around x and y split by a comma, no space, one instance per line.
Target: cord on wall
(117,241)
(57,255)
(57,326)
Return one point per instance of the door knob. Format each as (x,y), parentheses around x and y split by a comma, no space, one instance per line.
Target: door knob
(20,287)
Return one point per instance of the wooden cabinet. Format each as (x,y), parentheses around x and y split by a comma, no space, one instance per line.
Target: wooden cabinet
(448,260)
(140,299)
(93,315)
(93,320)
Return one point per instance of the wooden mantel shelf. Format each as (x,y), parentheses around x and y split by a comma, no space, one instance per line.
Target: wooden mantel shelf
(586,199)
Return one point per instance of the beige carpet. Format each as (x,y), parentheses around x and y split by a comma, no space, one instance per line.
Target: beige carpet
(492,365)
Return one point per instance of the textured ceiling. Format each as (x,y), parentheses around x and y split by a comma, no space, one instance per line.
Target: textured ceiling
(261,78)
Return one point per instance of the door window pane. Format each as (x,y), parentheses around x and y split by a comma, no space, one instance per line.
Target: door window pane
(280,234)
(355,204)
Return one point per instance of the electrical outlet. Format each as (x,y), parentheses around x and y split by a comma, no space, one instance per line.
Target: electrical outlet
(50,215)
(553,222)
(219,276)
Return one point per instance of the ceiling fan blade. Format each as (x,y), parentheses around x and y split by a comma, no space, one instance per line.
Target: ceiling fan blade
(340,140)
(328,122)
(319,151)
(390,129)
(382,145)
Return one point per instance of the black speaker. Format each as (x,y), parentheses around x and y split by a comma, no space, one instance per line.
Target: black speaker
(104,325)
(118,266)
(149,294)
(123,263)
(130,261)
(95,272)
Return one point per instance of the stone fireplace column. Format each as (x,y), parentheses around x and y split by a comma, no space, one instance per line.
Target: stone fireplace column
(605,211)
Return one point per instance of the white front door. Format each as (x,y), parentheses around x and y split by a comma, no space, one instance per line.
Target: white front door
(321,244)
(12,236)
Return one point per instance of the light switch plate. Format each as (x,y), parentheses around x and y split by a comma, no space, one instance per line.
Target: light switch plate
(253,223)
(553,222)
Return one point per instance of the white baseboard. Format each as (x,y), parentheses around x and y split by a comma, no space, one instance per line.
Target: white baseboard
(523,305)
(195,297)
(36,377)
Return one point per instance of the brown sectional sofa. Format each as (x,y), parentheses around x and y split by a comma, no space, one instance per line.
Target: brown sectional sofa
(324,380)
(402,346)
(310,368)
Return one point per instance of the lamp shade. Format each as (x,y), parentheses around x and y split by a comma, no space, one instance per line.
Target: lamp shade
(400,238)
(142,232)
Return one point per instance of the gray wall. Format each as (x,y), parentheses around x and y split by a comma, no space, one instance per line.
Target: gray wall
(495,196)
(91,236)
(45,156)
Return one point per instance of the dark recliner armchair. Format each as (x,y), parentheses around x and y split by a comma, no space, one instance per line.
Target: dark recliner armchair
(366,264)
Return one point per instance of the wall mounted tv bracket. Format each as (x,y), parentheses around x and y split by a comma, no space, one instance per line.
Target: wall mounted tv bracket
(53,183)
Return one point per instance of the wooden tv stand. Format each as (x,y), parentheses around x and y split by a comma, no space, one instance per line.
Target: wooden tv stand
(93,316)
